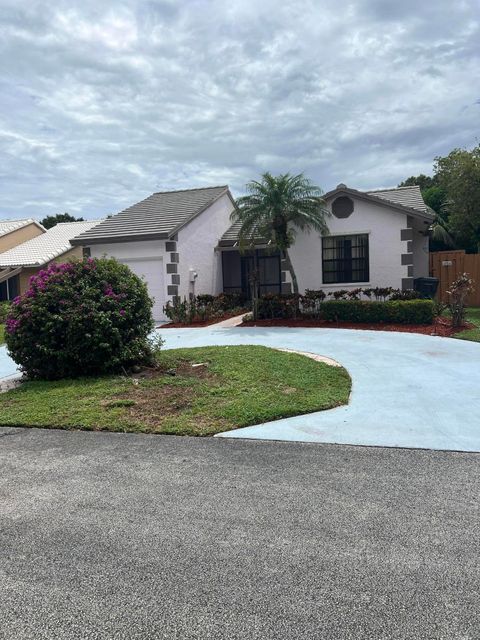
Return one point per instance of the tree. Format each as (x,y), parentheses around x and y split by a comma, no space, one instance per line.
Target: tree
(50,221)
(275,208)
(458,174)
(434,197)
(422,181)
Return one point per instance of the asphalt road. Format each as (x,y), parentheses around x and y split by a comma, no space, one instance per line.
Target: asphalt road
(118,536)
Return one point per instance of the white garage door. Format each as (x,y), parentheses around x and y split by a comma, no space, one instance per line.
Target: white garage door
(151,270)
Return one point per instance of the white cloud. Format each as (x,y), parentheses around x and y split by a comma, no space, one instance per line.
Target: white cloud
(106,102)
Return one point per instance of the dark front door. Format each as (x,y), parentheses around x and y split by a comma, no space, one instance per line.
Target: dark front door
(248,271)
(238,270)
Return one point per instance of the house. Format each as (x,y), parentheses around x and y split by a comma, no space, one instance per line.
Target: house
(13,233)
(169,239)
(18,263)
(376,239)
(183,243)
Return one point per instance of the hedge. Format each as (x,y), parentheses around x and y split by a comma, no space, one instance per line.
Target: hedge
(392,311)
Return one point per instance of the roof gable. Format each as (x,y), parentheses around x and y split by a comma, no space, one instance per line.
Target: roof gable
(160,215)
(403,199)
(7,226)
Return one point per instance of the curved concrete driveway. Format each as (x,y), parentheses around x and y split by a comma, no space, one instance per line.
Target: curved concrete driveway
(409,390)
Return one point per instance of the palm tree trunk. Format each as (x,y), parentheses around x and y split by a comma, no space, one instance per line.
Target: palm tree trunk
(292,271)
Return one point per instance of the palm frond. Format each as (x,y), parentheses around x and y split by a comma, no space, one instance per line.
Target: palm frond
(276,207)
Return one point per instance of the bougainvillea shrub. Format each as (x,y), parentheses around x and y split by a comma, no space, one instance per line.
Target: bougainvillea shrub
(80,318)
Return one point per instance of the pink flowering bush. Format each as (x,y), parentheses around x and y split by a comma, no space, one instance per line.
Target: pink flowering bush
(81,318)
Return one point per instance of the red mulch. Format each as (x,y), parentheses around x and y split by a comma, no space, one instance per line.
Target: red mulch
(441,326)
(198,323)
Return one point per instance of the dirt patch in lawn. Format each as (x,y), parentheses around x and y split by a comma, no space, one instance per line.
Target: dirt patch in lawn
(151,404)
(441,326)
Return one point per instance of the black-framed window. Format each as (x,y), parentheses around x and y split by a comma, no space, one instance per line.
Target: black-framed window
(345,259)
(9,289)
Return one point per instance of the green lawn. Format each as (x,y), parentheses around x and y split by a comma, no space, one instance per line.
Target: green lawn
(2,333)
(473,317)
(233,387)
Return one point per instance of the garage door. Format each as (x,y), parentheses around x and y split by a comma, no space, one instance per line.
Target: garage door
(151,270)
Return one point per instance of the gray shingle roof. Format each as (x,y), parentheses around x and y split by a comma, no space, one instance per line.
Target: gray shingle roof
(158,216)
(407,196)
(45,247)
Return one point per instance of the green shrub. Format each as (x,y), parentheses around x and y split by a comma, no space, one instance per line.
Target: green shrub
(203,307)
(4,309)
(311,302)
(271,305)
(366,311)
(81,318)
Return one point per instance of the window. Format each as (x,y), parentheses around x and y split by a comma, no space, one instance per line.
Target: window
(9,289)
(345,259)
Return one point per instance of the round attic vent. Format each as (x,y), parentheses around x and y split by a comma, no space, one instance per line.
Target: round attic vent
(341,186)
(342,207)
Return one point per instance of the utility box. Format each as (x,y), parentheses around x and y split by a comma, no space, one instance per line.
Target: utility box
(427,286)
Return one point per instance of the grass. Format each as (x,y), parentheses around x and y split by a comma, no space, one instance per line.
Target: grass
(234,387)
(473,317)
(2,333)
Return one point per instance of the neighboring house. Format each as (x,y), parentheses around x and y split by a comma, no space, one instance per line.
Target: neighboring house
(170,240)
(376,239)
(19,263)
(14,232)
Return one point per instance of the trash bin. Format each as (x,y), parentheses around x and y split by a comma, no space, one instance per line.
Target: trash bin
(427,286)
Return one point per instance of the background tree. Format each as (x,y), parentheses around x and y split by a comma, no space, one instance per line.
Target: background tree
(50,221)
(458,174)
(276,208)
(422,181)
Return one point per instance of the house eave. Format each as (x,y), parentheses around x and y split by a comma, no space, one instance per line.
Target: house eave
(86,242)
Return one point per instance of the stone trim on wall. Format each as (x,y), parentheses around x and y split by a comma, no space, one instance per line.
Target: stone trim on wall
(407,258)
(172,267)
(407,283)
(406,234)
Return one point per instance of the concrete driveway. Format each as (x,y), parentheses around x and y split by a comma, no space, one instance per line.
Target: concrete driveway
(138,537)
(409,390)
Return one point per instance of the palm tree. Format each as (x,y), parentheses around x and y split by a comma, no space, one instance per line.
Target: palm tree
(439,229)
(275,208)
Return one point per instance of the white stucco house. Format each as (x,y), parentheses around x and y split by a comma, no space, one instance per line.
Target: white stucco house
(376,239)
(183,243)
(170,239)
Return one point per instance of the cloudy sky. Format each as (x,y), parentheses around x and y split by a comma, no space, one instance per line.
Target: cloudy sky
(102,103)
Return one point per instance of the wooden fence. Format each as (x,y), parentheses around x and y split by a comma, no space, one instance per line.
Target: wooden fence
(448,265)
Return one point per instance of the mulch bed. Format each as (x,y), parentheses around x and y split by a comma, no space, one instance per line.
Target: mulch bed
(441,326)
